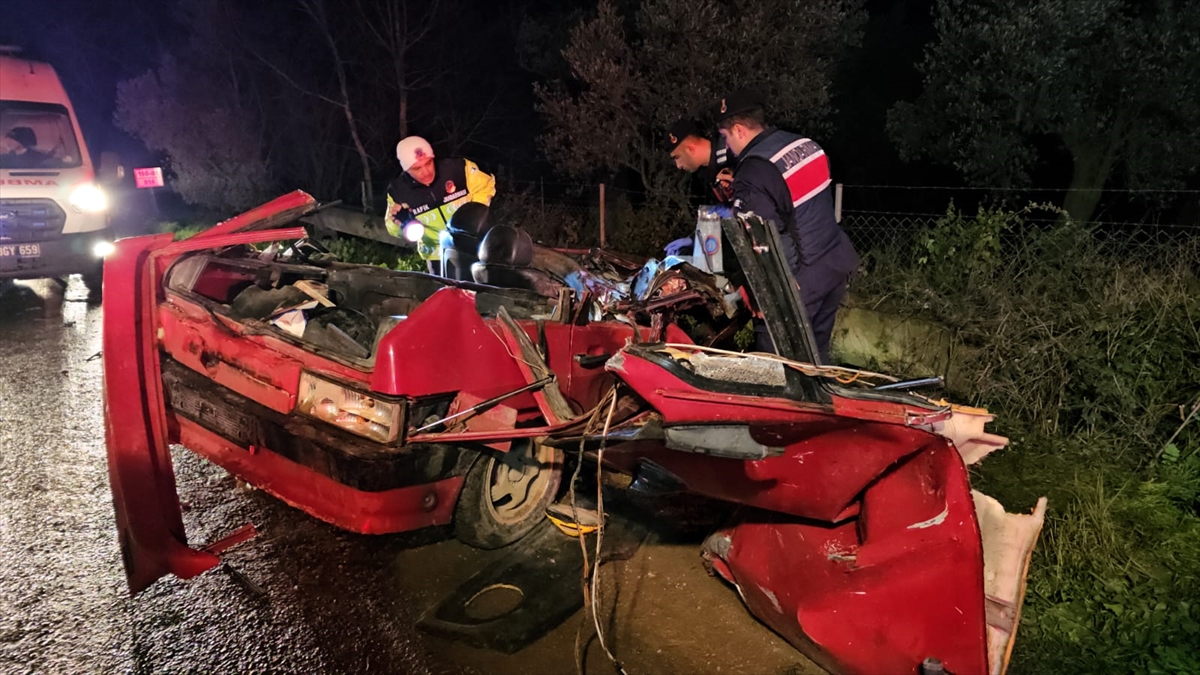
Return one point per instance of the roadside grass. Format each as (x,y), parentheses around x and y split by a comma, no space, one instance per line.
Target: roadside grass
(1090,358)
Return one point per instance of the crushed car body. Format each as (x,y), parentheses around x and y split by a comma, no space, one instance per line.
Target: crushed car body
(383,401)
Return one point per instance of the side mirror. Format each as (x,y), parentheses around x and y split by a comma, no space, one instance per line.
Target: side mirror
(110,171)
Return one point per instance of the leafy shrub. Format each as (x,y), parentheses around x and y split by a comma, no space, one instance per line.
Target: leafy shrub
(371,252)
(181,229)
(1090,357)
(1115,587)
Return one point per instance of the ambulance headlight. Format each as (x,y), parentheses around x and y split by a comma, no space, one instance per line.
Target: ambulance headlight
(88,198)
(102,249)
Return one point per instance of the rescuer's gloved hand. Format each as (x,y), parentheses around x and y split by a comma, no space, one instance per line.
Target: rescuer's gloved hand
(676,246)
(721,211)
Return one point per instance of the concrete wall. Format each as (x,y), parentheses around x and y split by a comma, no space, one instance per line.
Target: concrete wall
(903,346)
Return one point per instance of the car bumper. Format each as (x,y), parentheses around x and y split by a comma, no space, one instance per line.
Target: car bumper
(350,482)
(67,254)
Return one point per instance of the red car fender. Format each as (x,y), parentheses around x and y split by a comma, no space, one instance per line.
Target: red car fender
(149,522)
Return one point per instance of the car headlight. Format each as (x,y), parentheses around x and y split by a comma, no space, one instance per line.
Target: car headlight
(88,198)
(348,409)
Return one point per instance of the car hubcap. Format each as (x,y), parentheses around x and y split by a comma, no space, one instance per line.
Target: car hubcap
(518,480)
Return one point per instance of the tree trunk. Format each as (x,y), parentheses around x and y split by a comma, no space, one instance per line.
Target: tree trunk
(1091,168)
(403,109)
(368,190)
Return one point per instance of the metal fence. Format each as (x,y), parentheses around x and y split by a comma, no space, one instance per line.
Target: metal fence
(873,230)
(1148,222)
(874,216)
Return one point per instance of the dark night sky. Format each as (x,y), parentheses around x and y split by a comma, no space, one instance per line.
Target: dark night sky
(96,43)
(93,44)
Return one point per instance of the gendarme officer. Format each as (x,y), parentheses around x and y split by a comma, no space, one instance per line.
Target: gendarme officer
(692,151)
(785,178)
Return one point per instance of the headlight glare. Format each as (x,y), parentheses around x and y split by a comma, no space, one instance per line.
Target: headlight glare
(102,249)
(88,198)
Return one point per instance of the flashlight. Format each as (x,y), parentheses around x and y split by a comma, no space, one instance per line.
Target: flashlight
(414,230)
(411,228)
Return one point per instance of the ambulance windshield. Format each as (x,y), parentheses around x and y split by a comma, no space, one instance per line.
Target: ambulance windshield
(37,136)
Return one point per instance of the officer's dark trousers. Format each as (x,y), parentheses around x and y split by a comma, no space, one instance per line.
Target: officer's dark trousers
(821,311)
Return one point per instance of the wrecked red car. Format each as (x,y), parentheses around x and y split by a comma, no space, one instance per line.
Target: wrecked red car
(383,401)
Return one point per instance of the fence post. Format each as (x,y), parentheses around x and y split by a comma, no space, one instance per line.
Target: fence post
(603,238)
(837,202)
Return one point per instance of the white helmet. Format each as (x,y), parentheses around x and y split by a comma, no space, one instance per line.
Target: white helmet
(411,149)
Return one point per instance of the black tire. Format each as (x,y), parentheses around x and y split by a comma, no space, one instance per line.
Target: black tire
(506,494)
(95,285)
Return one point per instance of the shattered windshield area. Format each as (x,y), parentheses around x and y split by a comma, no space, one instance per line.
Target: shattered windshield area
(37,136)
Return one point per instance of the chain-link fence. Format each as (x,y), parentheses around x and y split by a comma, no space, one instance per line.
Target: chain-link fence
(1128,222)
(870,230)
(568,214)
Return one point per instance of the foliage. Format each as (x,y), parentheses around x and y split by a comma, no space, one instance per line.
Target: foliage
(957,249)
(1115,586)
(182,229)
(212,148)
(1090,357)
(371,252)
(632,76)
(1054,327)
(1107,79)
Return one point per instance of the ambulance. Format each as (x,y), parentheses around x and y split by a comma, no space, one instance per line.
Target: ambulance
(54,216)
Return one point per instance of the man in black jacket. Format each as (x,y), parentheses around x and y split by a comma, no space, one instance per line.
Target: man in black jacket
(784,178)
(693,152)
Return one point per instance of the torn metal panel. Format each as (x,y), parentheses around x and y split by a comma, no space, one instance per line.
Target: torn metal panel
(756,244)
(720,440)
(1008,542)
(879,599)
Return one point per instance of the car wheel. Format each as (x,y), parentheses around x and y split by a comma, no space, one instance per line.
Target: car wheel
(95,285)
(506,494)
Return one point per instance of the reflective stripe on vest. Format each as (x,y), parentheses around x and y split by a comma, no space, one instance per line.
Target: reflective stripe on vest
(805,171)
(802,162)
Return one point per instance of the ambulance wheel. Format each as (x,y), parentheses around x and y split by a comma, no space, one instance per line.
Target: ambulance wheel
(505,494)
(95,285)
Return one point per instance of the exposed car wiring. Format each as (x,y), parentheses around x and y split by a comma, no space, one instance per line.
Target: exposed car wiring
(591,563)
(612,407)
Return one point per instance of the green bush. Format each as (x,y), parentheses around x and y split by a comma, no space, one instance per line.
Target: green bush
(635,230)
(1090,357)
(181,229)
(370,252)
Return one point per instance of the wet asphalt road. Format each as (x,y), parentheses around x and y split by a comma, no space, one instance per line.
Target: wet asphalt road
(333,602)
(64,607)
